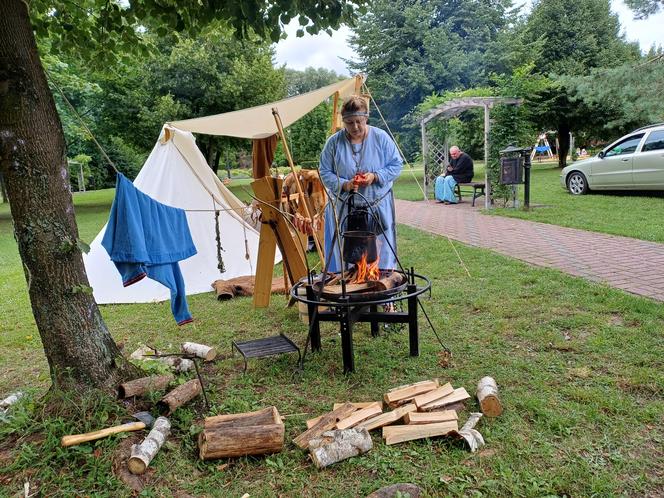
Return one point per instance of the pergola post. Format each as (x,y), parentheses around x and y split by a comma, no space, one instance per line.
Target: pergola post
(425,154)
(487,182)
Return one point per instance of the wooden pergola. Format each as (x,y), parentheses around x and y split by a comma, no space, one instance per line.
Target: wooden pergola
(434,149)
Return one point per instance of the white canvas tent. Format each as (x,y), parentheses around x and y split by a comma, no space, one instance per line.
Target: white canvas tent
(176,174)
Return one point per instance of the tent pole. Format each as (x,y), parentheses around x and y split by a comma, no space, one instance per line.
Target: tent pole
(307,211)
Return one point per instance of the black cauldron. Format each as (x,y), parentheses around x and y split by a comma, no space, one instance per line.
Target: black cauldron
(358,242)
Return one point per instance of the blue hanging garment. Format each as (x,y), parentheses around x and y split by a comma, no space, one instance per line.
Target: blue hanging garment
(145,238)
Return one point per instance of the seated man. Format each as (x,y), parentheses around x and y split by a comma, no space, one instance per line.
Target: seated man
(460,170)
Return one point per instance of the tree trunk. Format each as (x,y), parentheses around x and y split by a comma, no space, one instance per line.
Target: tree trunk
(3,190)
(78,346)
(563,144)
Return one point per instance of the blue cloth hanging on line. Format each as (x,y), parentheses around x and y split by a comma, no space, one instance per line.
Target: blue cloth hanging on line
(145,238)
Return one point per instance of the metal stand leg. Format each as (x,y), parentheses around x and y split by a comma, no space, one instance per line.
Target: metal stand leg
(346,329)
(375,327)
(413,334)
(315,326)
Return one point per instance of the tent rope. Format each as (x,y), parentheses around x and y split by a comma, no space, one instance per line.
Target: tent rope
(217,233)
(78,116)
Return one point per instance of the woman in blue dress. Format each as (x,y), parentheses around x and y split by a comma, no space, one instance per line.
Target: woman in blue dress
(365,158)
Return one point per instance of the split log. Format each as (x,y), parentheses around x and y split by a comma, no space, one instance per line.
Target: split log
(434,395)
(387,418)
(414,418)
(458,395)
(266,416)
(11,399)
(144,385)
(403,394)
(338,445)
(179,396)
(487,395)
(358,406)
(472,437)
(394,279)
(360,415)
(399,433)
(200,350)
(327,422)
(350,288)
(255,433)
(142,454)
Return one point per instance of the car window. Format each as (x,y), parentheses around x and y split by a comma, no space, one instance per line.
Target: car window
(627,146)
(655,141)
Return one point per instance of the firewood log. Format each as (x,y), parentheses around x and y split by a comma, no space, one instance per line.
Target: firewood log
(179,396)
(387,418)
(144,385)
(394,279)
(335,446)
(142,454)
(471,436)
(358,406)
(415,418)
(404,394)
(327,422)
(399,433)
(360,415)
(439,393)
(487,395)
(266,416)
(459,394)
(200,350)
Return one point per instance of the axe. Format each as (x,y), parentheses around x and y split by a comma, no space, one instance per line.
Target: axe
(145,420)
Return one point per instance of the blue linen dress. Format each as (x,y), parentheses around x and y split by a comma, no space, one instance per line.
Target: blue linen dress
(338,164)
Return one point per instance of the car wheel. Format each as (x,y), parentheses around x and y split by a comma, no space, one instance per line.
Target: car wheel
(577,183)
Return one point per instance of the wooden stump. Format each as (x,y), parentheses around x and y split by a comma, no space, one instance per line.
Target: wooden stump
(200,350)
(487,395)
(255,433)
(144,385)
(142,454)
(335,446)
(179,396)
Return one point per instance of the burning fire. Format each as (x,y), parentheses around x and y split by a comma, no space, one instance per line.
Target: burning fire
(364,271)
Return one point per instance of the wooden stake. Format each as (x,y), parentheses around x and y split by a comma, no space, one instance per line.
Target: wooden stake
(487,395)
(179,396)
(144,385)
(335,446)
(142,454)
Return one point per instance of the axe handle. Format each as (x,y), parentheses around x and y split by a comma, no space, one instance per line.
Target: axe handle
(91,436)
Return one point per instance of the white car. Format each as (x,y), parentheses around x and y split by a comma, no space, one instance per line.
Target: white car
(634,162)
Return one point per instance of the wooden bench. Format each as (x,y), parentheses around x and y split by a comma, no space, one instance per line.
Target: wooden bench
(478,189)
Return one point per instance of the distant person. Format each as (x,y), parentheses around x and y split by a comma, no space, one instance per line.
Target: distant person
(460,170)
(584,153)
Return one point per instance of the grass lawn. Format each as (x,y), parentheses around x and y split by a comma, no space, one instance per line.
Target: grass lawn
(580,367)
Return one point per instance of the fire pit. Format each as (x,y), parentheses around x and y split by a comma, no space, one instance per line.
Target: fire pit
(348,303)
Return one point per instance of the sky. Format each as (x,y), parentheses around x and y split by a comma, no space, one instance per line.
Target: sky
(329,51)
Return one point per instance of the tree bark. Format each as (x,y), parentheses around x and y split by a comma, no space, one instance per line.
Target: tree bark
(563,144)
(142,454)
(79,349)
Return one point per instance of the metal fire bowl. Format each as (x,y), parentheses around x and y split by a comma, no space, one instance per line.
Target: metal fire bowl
(364,295)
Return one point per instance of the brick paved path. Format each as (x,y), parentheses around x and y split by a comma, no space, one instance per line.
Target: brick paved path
(632,265)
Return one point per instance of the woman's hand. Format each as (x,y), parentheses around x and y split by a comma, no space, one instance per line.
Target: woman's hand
(364,179)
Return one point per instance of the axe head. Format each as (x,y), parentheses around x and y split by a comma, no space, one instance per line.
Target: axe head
(145,417)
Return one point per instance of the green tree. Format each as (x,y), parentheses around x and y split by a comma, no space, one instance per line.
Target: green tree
(577,35)
(645,8)
(310,79)
(411,49)
(80,350)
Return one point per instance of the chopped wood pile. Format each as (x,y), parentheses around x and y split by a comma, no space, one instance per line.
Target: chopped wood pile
(415,411)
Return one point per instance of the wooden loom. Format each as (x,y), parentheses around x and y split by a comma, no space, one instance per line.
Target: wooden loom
(275,230)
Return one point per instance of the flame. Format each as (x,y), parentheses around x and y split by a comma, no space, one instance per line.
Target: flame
(366,271)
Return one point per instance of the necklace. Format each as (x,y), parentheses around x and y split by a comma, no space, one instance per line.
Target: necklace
(357,155)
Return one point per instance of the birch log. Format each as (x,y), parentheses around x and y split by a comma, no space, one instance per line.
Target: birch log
(144,385)
(335,446)
(180,365)
(142,454)
(10,400)
(179,396)
(200,350)
(469,434)
(487,395)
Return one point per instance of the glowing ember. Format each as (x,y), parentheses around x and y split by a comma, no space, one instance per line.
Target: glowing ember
(366,271)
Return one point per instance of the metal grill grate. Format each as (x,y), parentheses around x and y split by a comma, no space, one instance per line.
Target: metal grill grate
(268,346)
